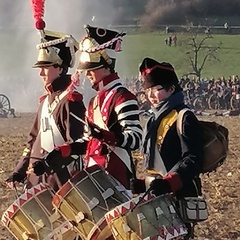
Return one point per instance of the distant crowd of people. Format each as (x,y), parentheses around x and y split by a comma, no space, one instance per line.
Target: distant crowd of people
(200,94)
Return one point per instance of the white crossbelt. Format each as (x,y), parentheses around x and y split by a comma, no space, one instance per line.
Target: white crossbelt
(97,117)
(50,134)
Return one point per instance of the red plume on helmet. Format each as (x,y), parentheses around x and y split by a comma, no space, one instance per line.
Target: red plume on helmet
(55,48)
(38,12)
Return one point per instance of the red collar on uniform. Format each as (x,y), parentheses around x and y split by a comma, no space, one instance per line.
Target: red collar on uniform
(59,84)
(105,81)
(42,98)
(49,88)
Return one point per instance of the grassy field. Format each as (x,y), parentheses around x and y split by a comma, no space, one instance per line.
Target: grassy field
(138,46)
(19,47)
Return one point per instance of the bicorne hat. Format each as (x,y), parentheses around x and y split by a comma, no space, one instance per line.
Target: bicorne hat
(155,73)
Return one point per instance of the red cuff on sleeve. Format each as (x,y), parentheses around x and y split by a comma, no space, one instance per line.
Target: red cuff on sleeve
(65,150)
(109,138)
(174,181)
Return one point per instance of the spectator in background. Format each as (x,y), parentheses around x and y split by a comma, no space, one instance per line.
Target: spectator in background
(144,104)
(207,30)
(169,40)
(166,41)
(167,30)
(174,39)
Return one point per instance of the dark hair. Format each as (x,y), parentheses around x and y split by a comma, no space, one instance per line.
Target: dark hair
(63,67)
(109,66)
(176,85)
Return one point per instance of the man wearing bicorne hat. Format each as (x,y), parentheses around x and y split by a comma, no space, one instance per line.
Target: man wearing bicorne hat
(113,124)
(172,147)
(55,123)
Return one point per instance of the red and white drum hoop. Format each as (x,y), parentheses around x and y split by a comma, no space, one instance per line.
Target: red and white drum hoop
(85,199)
(7,215)
(177,231)
(23,225)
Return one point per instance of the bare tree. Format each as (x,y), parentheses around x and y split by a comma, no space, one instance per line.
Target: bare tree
(200,50)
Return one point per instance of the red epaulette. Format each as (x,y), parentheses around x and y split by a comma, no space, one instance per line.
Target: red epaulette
(42,98)
(75,97)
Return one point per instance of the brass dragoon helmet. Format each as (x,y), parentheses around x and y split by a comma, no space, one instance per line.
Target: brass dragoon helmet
(56,49)
(96,48)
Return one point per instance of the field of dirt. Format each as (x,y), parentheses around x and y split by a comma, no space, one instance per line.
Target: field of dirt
(221,189)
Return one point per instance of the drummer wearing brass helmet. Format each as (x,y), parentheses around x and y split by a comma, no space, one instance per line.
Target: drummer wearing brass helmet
(113,114)
(113,127)
(173,161)
(53,125)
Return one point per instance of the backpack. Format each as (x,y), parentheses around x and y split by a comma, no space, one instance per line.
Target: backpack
(215,142)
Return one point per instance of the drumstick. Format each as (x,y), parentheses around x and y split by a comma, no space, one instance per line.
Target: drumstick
(141,198)
(78,118)
(37,158)
(16,191)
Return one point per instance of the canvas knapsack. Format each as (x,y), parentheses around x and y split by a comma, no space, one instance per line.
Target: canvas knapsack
(215,142)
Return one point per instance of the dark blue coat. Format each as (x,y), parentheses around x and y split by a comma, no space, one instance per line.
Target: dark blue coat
(186,148)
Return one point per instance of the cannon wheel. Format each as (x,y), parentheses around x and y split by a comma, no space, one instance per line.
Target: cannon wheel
(213,102)
(5,106)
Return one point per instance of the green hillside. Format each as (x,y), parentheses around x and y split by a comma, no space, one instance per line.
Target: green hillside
(136,47)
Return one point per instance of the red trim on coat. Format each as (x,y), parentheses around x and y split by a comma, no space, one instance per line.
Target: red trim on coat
(106,80)
(41,99)
(75,97)
(49,88)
